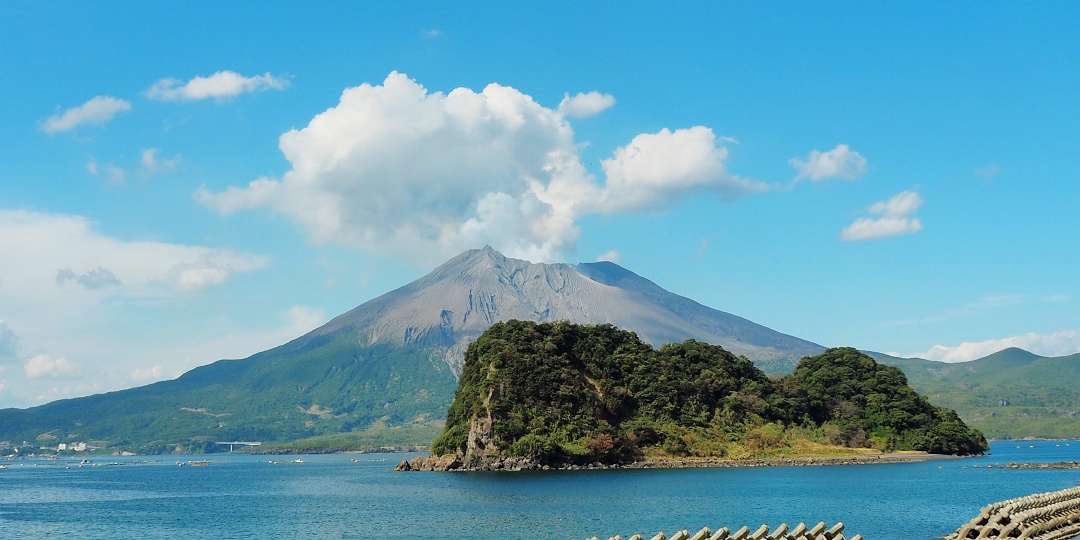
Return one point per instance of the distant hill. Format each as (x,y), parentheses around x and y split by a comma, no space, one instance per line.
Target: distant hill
(385,372)
(1009,394)
(554,394)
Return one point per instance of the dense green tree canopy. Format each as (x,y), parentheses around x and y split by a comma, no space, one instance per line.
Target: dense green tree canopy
(563,392)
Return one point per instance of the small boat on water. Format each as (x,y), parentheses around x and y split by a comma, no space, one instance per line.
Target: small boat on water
(199,463)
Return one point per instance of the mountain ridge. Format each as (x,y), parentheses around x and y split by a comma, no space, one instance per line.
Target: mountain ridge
(393,362)
(1009,394)
(458,300)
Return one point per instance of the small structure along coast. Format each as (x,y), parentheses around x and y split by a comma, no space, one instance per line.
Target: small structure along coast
(1044,516)
(821,531)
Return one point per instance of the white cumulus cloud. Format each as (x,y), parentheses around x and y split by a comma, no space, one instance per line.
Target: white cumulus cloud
(98,110)
(584,105)
(840,162)
(1061,343)
(220,85)
(396,169)
(895,219)
(658,167)
(43,365)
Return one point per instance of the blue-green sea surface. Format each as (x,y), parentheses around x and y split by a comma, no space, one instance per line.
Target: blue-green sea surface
(358,496)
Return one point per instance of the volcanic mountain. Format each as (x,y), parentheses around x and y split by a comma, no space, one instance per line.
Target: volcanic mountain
(392,361)
(450,307)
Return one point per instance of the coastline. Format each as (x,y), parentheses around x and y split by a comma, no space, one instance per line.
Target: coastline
(452,463)
(811,461)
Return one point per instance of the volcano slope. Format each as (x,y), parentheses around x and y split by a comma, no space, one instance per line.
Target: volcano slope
(385,372)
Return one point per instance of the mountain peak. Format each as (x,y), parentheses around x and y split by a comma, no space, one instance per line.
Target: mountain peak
(459,300)
(1012,356)
(394,357)
(485,263)
(473,255)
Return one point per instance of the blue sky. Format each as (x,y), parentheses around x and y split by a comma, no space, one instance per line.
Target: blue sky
(182,182)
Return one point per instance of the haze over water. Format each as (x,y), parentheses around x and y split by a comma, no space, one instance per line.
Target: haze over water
(332,496)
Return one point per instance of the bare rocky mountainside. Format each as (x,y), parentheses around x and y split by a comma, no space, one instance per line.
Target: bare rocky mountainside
(450,307)
(386,371)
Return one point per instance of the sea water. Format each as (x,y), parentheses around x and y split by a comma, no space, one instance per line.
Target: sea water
(359,496)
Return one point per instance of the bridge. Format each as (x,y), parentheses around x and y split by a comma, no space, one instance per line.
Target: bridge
(238,443)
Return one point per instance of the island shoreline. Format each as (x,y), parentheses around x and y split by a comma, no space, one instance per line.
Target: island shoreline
(453,463)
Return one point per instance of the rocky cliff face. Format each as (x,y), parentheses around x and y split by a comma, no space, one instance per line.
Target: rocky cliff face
(456,302)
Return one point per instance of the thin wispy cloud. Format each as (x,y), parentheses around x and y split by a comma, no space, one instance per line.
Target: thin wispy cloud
(9,346)
(172,360)
(986,304)
(221,85)
(895,219)
(112,174)
(98,278)
(584,105)
(99,110)
(45,255)
(154,164)
(148,375)
(702,246)
(1061,343)
(611,256)
(988,171)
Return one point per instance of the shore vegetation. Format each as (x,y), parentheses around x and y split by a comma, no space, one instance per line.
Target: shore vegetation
(562,393)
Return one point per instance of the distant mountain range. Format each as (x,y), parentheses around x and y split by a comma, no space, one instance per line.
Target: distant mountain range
(385,372)
(1009,394)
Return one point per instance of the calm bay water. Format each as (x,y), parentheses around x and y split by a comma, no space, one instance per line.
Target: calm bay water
(332,496)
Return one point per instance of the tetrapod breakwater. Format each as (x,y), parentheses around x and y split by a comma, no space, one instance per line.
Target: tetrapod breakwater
(821,531)
(1044,516)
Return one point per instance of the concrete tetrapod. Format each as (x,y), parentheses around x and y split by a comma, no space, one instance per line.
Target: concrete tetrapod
(821,531)
(1053,515)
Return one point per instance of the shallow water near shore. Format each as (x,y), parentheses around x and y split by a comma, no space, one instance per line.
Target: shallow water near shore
(356,496)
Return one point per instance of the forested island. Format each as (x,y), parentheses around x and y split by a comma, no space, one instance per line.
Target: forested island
(535,395)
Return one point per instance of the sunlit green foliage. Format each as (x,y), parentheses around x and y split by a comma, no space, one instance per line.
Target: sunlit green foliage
(328,385)
(563,392)
(1010,394)
(870,401)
